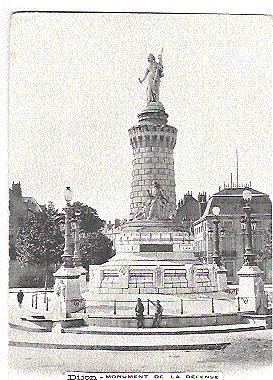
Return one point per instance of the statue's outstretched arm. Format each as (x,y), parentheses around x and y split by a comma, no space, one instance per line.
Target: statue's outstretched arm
(145,76)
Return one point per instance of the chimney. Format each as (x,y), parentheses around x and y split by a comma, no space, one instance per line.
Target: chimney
(16,190)
(202,201)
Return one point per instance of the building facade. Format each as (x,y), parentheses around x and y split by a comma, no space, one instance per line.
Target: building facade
(190,209)
(232,243)
(19,209)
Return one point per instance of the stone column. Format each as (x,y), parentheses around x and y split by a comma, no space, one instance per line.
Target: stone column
(153,141)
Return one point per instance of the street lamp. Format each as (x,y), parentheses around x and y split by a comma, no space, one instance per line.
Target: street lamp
(68,195)
(246,222)
(67,255)
(77,254)
(216,253)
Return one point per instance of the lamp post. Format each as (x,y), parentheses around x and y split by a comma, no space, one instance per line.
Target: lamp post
(216,256)
(220,270)
(67,255)
(246,222)
(67,285)
(77,255)
(251,286)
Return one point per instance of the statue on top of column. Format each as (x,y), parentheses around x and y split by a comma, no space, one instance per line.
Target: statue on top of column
(154,72)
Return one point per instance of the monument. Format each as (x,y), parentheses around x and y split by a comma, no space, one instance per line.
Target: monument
(153,254)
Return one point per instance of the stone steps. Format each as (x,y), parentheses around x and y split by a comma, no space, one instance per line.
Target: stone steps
(167,331)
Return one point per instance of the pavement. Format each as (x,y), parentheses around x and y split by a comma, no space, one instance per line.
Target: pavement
(38,354)
(249,355)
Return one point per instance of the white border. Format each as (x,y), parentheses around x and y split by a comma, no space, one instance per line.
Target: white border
(6,9)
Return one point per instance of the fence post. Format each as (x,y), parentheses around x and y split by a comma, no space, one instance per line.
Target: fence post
(181,307)
(46,303)
(212,306)
(148,307)
(239,306)
(115,307)
(36,301)
(45,297)
(32,300)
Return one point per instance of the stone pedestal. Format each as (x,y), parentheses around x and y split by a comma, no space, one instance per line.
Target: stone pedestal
(221,278)
(251,295)
(67,291)
(83,278)
(153,257)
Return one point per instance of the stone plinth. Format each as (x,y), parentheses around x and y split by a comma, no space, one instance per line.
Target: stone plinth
(67,292)
(152,277)
(153,257)
(221,278)
(153,142)
(251,295)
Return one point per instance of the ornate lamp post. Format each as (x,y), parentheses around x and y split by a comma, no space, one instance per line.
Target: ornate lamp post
(248,224)
(251,287)
(67,256)
(67,285)
(77,254)
(221,272)
(216,252)
(77,258)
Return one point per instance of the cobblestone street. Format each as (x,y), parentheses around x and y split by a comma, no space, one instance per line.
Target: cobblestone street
(251,353)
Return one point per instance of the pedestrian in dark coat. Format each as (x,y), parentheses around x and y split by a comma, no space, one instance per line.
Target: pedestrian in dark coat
(158,313)
(139,309)
(20,297)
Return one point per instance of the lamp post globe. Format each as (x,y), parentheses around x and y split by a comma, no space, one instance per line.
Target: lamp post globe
(68,195)
(247,195)
(216,210)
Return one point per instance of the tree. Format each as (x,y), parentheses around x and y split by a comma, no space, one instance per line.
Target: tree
(40,240)
(96,249)
(90,221)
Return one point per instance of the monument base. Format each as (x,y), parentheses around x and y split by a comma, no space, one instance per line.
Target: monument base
(153,256)
(221,278)
(67,292)
(251,295)
(152,277)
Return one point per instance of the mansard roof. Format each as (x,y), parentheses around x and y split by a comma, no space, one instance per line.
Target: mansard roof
(230,201)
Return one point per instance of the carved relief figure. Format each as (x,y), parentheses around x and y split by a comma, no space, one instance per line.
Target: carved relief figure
(157,203)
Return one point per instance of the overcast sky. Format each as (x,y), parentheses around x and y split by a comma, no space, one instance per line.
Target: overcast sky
(74,93)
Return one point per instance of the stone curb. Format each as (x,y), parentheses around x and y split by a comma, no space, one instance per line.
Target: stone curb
(193,347)
(154,332)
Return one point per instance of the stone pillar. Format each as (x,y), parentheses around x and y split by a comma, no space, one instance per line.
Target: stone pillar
(221,278)
(153,142)
(68,292)
(251,295)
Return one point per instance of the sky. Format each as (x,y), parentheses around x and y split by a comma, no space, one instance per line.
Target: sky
(74,93)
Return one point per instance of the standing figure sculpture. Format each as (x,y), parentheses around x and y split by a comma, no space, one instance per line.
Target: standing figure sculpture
(154,72)
(157,204)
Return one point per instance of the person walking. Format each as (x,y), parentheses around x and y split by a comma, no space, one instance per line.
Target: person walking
(139,309)
(158,313)
(20,297)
